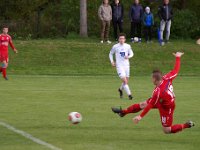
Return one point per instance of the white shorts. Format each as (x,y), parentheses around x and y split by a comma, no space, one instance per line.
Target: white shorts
(123,71)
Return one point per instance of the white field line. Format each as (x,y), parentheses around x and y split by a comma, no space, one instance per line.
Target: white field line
(29,136)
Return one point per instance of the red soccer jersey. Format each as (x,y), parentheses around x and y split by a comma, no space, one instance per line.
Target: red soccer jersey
(5,40)
(163,95)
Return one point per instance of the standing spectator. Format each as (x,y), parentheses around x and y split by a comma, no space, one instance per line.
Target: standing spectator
(148,22)
(105,15)
(136,13)
(165,14)
(117,17)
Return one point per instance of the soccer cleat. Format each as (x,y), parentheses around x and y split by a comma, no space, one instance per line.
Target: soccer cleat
(130,97)
(120,93)
(190,123)
(5,78)
(101,42)
(118,111)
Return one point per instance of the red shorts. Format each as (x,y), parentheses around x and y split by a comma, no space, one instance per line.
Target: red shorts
(3,56)
(166,115)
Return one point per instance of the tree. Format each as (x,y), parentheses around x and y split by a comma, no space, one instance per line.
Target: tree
(83,18)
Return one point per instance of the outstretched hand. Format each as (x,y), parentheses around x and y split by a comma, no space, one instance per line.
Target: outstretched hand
(15,50)
(136,119)
(178,54)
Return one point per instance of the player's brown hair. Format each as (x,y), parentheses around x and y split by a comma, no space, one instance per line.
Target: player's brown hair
(157,74)
(103,1)
(4,26)
(121,34)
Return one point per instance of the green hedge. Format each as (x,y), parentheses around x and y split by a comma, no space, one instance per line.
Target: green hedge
(61,17)
(185,24)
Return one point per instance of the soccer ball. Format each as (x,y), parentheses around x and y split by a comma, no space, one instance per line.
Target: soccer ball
(136,39)
(75,117)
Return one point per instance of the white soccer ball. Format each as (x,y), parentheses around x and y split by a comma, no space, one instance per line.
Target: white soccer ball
(75,117)
(136,39)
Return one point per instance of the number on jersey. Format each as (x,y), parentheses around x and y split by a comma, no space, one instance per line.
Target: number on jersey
(122,54)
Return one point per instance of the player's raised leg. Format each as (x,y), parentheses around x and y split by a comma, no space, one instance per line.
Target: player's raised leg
(131,109)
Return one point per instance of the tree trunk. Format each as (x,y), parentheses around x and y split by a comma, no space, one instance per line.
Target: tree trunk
(83,18)
(183,4)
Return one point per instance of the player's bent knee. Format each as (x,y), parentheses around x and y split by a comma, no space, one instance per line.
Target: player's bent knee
(143,105)
(167,130)
(124,80)
(4,65)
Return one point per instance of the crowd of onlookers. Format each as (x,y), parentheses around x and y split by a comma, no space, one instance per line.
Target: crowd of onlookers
(139,18)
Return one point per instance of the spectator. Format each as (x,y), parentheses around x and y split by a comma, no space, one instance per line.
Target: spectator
(148,22)
(105,15)
(117,17)
(165,14)
(136,13)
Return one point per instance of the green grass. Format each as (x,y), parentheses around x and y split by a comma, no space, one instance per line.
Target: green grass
(39,96)
(89,57)
(39,105)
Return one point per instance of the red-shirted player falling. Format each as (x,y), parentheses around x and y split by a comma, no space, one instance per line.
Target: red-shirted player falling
(163,99)
(5,40)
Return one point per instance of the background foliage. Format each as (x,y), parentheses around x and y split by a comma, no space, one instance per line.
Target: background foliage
(58,18)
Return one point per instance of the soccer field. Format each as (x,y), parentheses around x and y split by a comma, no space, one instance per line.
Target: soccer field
(39,105)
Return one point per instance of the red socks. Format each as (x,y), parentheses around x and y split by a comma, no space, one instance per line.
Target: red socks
(0,69)
(4,72)
(132,109)
(178,127)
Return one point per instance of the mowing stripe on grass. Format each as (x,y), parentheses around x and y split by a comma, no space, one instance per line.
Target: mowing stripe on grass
(29,136)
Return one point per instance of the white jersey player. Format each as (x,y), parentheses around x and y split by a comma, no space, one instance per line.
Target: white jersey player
(123,53)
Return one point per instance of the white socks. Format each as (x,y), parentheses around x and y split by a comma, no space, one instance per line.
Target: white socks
(127,89)
(122,86)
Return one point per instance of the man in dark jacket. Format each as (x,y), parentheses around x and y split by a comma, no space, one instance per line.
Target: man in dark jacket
(165,14)
(136,13)
(117,17)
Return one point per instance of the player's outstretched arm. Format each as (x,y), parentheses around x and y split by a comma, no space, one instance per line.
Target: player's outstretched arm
(172,74)
(144,112)
(152,102)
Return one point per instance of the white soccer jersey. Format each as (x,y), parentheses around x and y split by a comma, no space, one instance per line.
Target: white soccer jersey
(121,51)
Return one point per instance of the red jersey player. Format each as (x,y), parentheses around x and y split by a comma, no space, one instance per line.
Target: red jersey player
(163,99)
(5,40)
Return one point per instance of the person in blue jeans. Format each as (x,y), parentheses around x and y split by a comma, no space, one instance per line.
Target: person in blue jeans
(148,22)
